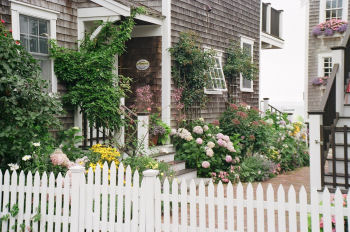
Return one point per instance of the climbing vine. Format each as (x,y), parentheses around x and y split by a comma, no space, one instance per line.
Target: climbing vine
(239,61)
(191,64)
(90,74)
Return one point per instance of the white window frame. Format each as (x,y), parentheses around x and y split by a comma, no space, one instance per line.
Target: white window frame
(321,56)
(250,41)
(322,17)
(218,54)
(20,8)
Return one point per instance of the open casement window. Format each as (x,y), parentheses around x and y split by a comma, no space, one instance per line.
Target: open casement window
(333,9)
(216,78)
(247,46)
(34,26)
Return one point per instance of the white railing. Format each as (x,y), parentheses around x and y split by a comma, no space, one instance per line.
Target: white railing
(107,200)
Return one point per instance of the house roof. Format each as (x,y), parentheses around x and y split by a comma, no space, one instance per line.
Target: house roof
(149,11)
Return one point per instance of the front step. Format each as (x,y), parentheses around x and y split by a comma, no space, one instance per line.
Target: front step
(186,174)
(164,156)
(177,165)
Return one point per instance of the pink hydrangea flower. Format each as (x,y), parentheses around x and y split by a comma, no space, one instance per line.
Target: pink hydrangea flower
(60,159)
(220,136)
(198,130)
(199,141)
(226,138)
(221,143)
(228,159)
(205,164)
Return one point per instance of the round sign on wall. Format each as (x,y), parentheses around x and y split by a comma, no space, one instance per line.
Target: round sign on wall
(142,64)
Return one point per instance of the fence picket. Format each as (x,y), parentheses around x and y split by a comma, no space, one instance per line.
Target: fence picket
(127,199)
(201,196)
(175,205)
(142,205)
(281,209)
(58,201)
(326,208)
(157,207)
(89,201)
(43,202)
(166,205)
(221,208)
(51,204)
(20,199)
(211,208)
(104,197)
(66,203)
(13,189)
(184,205)
(113,182)
(339,216)
(315,221)
(303,210)
(348,209)
(135,202)
(292,216)
(240,208)
(250,208)
(120,197)
(270,210)
(193,215)
(260,209)
(230,208)
(28,198)
(6,189)
(96,198)
(82,201)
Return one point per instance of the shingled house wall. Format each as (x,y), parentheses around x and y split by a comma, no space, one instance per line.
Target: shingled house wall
(317,45)
(227,21)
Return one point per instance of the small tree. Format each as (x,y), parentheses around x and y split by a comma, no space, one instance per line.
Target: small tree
(27,110)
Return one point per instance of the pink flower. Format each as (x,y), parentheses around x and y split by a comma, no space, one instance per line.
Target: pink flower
(234,106)
(205,164)
(2,21)
(221,143)
(228,159)
(18,43)
(242,114)
(226,138)
(220,136)
(216,123)
(60,159)
(199,141)
(198,130)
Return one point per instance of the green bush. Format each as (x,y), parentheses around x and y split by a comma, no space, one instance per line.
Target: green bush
(28,111)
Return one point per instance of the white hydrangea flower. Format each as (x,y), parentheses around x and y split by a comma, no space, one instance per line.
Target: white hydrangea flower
(13,167)
(269,121)
(211,144)
(26,157)
(36,144)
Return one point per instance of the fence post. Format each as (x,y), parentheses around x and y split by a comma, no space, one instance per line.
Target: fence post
(150,176)
(315,121)
(266,105)
(77,174)
(142,130)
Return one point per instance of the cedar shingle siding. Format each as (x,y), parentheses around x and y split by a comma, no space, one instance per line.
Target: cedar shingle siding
(315,48)
(227,20)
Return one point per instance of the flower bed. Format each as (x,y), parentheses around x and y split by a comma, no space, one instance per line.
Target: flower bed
(242,146)
(330,27)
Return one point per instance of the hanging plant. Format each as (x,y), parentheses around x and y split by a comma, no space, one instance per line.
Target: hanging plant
(89,73)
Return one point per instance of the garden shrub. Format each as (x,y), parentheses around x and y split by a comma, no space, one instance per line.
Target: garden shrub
(28,111)
(203,147)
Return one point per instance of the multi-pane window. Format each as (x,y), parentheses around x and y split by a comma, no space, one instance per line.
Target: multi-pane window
(334,9)
(216,80)
(248,49)
(34,35)
(327,66)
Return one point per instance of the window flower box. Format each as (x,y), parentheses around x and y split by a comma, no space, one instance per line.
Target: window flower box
(330,28)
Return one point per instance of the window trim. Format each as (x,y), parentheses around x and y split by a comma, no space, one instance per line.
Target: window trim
(322,17)
(219,55)
(18,8)
(247,40)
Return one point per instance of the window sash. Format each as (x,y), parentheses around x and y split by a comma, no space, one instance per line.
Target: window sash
(327,66)
(216,77)
(248,48)
(334,9)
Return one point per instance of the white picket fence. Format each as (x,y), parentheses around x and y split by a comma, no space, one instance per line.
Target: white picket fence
(105,200)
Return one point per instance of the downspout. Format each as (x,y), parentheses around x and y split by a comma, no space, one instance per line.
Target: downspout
(166,62)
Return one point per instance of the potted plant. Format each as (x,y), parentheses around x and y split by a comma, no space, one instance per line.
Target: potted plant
(159,131)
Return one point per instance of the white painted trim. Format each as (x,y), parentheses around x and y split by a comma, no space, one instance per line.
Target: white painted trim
(94,12)
(150,19)
(166,62)
(118,8)
(268,18)
(146,31)
(320,62)
(306,57)
(18,8)
(322,14)
(247,40)
(16,5)
(271,40)
(314,150)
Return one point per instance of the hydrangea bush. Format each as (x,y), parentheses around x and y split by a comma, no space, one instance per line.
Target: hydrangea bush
(204,147)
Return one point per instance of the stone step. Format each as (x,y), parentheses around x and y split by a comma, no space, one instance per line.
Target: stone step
(169,148)
(186,174)
(165,157)
(177,165)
